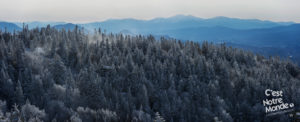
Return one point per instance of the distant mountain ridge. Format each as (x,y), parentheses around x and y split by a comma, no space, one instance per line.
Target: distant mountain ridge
(256,34)
(179,22)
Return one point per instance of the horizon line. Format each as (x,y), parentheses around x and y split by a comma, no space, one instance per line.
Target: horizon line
(177,15)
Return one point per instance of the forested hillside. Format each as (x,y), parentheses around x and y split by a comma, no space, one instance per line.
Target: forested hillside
(56,75)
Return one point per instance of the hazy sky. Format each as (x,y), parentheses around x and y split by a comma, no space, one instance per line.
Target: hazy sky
(79,11)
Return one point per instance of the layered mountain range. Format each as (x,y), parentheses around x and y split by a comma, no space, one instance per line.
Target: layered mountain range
(264,37)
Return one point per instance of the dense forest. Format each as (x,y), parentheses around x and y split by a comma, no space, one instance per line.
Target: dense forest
(69,75)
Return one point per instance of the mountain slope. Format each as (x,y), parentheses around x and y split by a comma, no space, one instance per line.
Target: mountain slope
(39,24)
(10,27)
(68,26)
(276,36)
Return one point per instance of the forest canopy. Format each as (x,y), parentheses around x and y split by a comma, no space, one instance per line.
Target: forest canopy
(68,75)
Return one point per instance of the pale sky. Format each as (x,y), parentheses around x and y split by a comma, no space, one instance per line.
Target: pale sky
(80,11)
